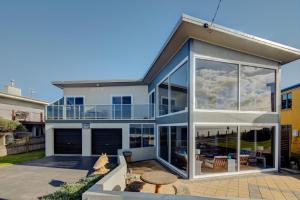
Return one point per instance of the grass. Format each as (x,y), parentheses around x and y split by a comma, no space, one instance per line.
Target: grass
(22,157)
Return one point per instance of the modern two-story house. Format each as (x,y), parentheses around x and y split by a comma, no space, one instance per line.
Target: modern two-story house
(209,105)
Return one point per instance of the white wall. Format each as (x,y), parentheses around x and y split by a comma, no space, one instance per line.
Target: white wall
(138,153)
(7,105)
(103,95)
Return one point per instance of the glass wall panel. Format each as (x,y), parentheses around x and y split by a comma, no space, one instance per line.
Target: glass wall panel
(179,144)
(178,83)
(163,97)
(216,149)
(216,85)
(257,148)
(148,135)
(135,135)
(151,105)
(164,143)
(258,88)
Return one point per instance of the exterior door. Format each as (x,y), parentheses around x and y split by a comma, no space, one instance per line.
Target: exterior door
(106,140)
(286,133)
(67,141)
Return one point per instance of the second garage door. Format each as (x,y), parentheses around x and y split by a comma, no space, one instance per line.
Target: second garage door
(106,140)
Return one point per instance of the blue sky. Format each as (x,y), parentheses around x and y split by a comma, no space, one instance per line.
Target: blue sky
(42,41)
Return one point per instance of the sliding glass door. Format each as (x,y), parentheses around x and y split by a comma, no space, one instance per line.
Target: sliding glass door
(173,146)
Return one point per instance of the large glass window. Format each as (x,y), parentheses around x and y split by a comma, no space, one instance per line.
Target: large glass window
(172,92)
(141,135)
(258,88)
(122,107)
(152,104)
(148,135)
(135,135)
(173,142)
(178,86)
(216,149)
(164,143)
(163,97)
(74,107)
(216,85)
(257,148)
(179,144)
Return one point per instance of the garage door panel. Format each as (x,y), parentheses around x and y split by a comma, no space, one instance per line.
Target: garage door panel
(67,141)
(106,141)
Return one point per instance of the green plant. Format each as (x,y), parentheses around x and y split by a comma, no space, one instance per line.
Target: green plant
(73,191)
(21,128)
(8,125)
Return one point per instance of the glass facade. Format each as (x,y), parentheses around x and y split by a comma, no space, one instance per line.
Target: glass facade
(173,91)
(257,147)
(258,87)
(178,87)
(164,143)
(174,146)
(216,148)
(179,145)
(216,85)
(163,97)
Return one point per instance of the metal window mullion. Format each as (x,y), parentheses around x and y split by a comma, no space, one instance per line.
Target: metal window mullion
(142,132)
(238,148)
(239,87)
(169,96)
(169,144)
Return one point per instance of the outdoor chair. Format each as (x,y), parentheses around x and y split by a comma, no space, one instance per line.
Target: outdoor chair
(244,159)
(217,162)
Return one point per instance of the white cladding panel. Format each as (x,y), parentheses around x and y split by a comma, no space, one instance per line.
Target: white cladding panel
(103,95)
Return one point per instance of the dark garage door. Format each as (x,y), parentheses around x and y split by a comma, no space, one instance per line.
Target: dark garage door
(106,140)
(67,141)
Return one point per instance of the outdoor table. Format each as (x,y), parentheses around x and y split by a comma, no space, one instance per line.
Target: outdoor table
(158,178)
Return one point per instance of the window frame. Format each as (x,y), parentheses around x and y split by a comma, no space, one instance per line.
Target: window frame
(168,163)
(142,132)
(239,125)
(240,64)
(167,77)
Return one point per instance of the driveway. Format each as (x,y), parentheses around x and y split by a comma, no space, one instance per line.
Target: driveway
(34,179)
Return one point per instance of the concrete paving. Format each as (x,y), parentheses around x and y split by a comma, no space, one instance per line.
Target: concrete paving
(37,178)
(273,186)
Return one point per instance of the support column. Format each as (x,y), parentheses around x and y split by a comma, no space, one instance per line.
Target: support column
(49,136)
(86,142)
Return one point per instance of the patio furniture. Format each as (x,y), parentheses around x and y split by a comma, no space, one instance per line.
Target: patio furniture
(217,162)
(244,159)
(199,166)
(158,178)
(263,160)
(231,165)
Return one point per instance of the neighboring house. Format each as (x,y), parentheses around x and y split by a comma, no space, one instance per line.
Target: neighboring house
(290,123)
(28,111)
(208,105)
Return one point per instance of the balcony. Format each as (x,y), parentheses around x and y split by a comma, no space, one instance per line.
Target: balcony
(100,112)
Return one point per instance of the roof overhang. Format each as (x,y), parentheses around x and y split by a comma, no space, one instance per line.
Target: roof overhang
(190,27)
(96,83)
(25,99)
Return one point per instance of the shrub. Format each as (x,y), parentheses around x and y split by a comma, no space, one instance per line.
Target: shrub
(73,191)
(8,125)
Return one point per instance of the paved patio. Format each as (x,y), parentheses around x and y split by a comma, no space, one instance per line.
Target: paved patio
(252,186)
(37,178)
